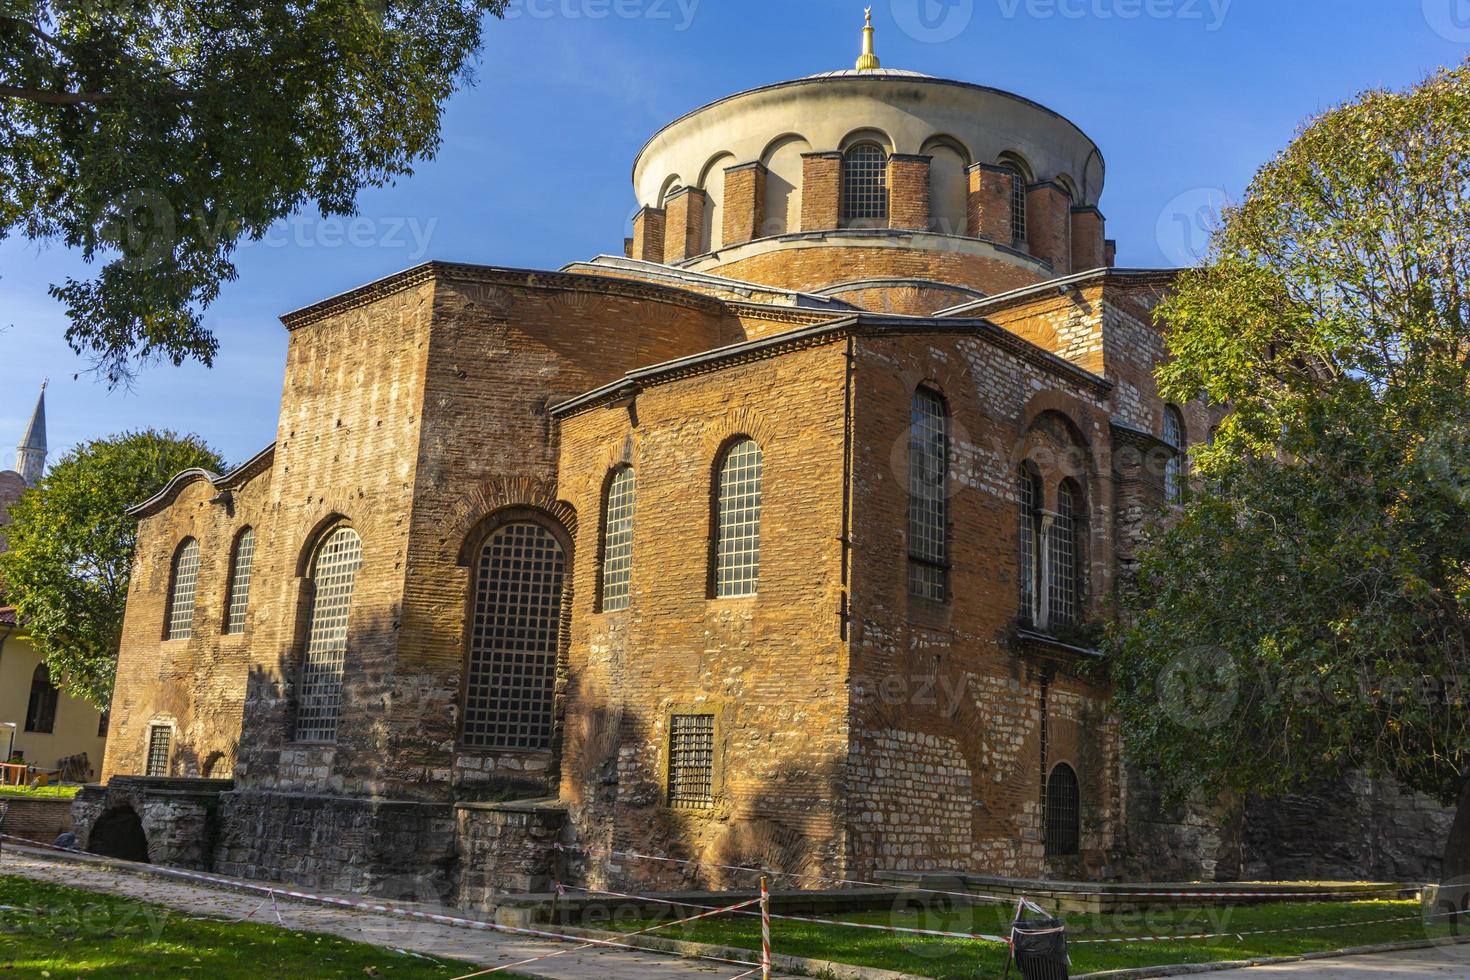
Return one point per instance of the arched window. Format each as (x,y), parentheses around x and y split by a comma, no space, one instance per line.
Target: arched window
(41,708)
(185,580)
(1063,556)
(738,521)
(240,581)
(865,185)
(1174,467)
(1030,494)
(1063,819)
(617,540)
(928,496)
(333,575)
(1018,202)
(514,638)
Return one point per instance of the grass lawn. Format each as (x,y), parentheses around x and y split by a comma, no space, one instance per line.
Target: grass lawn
(958,959)
(50,792)
(51,931)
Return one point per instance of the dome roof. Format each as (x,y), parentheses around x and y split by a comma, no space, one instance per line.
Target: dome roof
(870,73)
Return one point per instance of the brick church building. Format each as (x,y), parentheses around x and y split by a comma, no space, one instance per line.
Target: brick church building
(780,538)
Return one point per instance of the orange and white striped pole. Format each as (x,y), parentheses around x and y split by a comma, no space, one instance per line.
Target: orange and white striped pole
(765,931)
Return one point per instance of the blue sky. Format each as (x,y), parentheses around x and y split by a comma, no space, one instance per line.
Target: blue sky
(1185,97)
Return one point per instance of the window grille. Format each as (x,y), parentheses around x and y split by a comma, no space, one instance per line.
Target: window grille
(617,541)
(514,639)
(333,577)
(1030,534)
(159,738)
(1018,203)
(738,537)
(181,596)
(41,708)
(1063,820)
(102,721)
(691,760)
(865,184)
(240,581)
(1062,555)
(928,489)
(1174,467)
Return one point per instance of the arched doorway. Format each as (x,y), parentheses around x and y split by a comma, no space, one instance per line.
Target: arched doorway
(119,833)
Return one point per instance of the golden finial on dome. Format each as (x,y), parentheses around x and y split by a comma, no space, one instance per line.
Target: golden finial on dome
(868,61)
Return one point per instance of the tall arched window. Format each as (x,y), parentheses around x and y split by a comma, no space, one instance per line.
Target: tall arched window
(333,575)
(738,520)
(240,581)
(617,540)
(184,582)
(1063,817)
(1063,555)
(1030,560)
(865,185)
(1018,203)
(514,638)
(41,708)
(928,496)
(1174,467)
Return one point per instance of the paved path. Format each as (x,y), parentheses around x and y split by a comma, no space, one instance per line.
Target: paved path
(1439,961)
(454,942)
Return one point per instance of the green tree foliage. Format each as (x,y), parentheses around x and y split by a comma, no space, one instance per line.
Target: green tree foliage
(71,550)
(153,137)
(1309,610)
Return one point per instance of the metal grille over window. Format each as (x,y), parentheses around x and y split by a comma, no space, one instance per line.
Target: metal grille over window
(159,737)
(928,496)
(1062,556)
(181,599)
(692,760)
(514,639)
(333,576)
(240,581)
(738,537)
(1030,534)
(1018,204)
(865,185)
(1174,468)
(1063,830)
(617,541)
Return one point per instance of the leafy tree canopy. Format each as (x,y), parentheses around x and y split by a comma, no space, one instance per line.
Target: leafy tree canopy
(1306,613)
(71,550)
(154,137)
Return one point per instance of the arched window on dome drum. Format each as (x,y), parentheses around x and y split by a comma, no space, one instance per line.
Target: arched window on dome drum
(1030,535)
(928,496)
(865,186)
(617,540)
(515,634)
(1018,203)
(737,534)
(1063,554)
(41,708)
(239,602)
(184,580)
(333,576)
(1063,812)
(1174,467)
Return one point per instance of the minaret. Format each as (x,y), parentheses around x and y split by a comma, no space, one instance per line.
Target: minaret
(868,61)
(30,456)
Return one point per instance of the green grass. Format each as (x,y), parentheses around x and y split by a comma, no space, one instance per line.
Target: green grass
(958,959)
(50,792)
(53,931)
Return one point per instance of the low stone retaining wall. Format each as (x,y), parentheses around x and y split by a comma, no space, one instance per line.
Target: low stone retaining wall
(35,818)
(506,848)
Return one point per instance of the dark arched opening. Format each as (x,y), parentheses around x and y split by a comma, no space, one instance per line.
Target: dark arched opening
(119,833)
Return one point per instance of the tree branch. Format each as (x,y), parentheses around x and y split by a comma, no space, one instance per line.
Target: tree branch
(45,97)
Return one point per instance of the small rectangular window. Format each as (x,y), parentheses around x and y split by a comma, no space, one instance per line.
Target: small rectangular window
(159,737)
(692,761)
(102,724)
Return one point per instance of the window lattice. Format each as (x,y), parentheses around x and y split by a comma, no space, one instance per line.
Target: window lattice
(333,576)
(617,541)
(1018,204)
(240,581)
(1063,819)
(691,760)
(1174,467)
(928,489)
(865,184)
(738,537)
(181,598)
(159,737)
(514,639)
(41,708)
(1062,555)
(1030,533)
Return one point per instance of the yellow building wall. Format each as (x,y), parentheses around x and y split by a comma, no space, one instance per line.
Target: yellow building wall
(76,720)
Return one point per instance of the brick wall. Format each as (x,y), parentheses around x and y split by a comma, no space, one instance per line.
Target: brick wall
(40,820)
(990,203)
(1048,226)
(821,191)
(745,202)
(908,191)
(684,224)
(648,235)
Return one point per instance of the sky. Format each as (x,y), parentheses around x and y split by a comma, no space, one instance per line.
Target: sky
(1186,98)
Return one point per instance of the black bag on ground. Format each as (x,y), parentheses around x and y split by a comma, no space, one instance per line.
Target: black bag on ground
(1039,944)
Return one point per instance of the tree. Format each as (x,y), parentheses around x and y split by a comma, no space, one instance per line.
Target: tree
(71,550)
(1308,611)
(155,136)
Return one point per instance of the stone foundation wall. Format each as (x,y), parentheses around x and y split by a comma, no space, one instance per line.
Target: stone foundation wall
(178,816)
(40,820)
(506,848)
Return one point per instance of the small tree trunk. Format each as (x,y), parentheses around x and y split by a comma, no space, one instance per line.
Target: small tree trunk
(1455,867)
